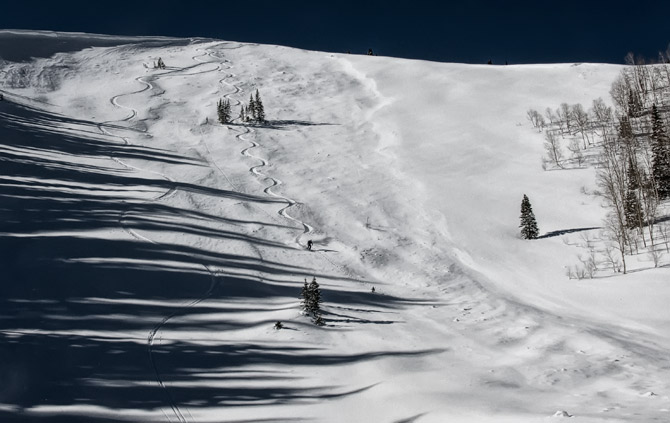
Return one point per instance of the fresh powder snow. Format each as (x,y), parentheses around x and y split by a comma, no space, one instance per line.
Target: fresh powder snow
(148,250)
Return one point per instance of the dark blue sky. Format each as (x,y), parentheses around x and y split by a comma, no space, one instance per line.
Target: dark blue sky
(468,31)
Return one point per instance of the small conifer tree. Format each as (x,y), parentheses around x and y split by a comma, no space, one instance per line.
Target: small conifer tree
(310,301)
(219,110)
(223,110)
(314,304)
(304,296)
(251,109)
(260,111)
(528,225)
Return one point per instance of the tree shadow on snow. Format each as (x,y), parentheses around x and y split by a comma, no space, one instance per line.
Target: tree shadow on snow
(79,296)
(565,232)
(280,124)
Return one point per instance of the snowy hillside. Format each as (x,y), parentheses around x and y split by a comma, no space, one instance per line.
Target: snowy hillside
(148,250)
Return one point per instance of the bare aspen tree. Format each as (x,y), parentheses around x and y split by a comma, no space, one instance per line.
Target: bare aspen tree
(616,233)
(550,115)
(619,92)
(655,256)
(612,181)
(610,255)
(666,68)
(664,229)
(535,119)
(602,115)
(552,146)
(638,74)
(576,151)
(581,121)
(652,74)
(530,114)
(564,113)
(560,121)
(648,194)
(589,266)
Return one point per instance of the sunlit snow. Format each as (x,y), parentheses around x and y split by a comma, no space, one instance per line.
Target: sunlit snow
(147,250)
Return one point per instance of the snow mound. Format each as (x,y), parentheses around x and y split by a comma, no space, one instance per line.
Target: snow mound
(562,413)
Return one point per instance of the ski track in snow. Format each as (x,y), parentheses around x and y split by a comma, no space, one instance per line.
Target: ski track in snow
(274,182)
(210,157)
(170,192)
(237,90)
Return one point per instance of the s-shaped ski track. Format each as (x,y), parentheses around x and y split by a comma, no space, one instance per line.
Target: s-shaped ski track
(204,140)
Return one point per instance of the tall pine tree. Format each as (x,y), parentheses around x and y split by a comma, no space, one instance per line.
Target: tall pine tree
(631,204)
(528,225)
(660,149)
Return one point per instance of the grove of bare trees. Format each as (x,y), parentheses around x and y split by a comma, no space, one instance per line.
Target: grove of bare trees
(628,144)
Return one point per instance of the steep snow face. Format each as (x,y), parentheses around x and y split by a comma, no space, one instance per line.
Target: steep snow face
(173,243)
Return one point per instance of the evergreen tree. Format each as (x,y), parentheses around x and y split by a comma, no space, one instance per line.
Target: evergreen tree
(161,64)
(625,128)
(304,296)
(314,303)
(528,225)
(632,206)
(219,110)
(660,149)
(251,109)
(223,110)
(260,111)
(226,110)
(242,115)
(310,301)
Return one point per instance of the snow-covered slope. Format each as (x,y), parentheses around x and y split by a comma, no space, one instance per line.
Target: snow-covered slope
(147,250)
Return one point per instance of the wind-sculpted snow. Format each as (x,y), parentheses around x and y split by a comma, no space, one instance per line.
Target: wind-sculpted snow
(148,250)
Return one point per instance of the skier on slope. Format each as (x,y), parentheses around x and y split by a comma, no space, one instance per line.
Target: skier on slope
(309,245)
